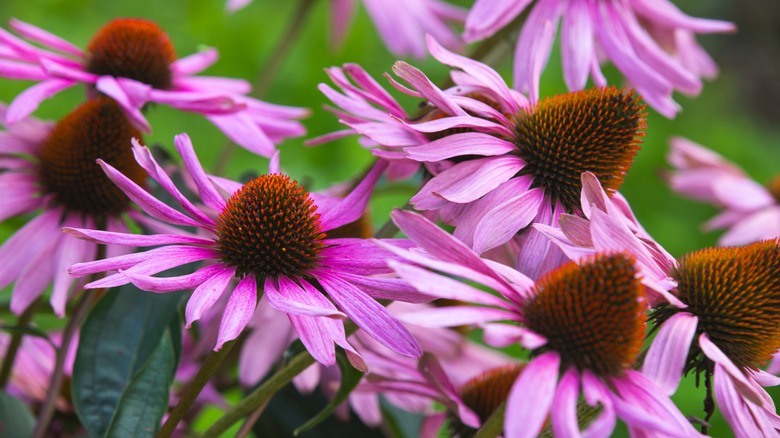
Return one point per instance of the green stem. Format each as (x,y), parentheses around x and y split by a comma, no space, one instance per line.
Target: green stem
(271,68)
(13,347)
(210,365)
(261,394)
(494,426)
(246,428)
(88,298)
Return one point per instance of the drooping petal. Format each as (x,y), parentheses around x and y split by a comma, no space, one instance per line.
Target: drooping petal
(531,396)
(564,405)
(370,315)
(207,294)
(290,297)
(668,353)
(239,310)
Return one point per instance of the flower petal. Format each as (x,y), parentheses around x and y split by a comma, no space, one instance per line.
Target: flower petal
(239,310)
(531,396)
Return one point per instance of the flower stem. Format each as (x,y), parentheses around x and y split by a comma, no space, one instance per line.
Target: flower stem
(246,428)
(193,388)
(494,426)
(261,394)
(87,300)
(271,68)
(13,347)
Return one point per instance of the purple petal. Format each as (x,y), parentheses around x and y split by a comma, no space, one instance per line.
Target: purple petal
(290,297)
(531,396)
(503,335)
(171,284)
(69,251)
(45,38)
(564,406)
(153,206)
(456,316)
(241,129)
(34,277)
(113,238)
(206,189)
(206,295)
(353,205)
(111,87)
(195,63)
(252,366)
(668,353)
(424,86)
(467,143)
(487,17)
(238,312)
(467,181)
(740,414)
(576,44)
(502,222)
(28,101)
(741,382)
(144,157)
(370,316)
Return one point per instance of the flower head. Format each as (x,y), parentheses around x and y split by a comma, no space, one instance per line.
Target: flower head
(499,166)
(584,325)
(733,313)
(751,212)
(133,61)
(651,42)
(269,235)
(51,169)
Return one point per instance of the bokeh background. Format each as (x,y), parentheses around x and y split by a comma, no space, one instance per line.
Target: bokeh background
(736,114)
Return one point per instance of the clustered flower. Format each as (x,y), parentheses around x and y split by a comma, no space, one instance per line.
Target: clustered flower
(524,288)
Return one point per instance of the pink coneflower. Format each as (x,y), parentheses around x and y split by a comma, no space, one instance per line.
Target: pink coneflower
(733,314)
(270,235)
(500,162)
(50,170)
(583,323)
(402,24)
(608,224)
(751,212)
(651,42)
(133,61)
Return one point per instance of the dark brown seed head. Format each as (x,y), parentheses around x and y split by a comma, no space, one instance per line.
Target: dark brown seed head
(483,394)
(597,130)
(591,314)
(270,227)
(132,48)
(68,167)
(735,293)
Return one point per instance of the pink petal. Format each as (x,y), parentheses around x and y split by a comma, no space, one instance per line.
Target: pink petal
(290,297)
(668,353)
(153,206)
(171,284)
(564,406)
(576,44)
(207,294)
(506,219)
(195,63)
(531,396)
(456,316)
(503,335)
(739,413)
(45,38)
(467,143)
(741,382)
(241,129)
(487,17)
(111,87)
(466,181)
(425,87)
(370,316)
(238,312)
(114,238)
(28,101)
(69,251)
(354,204)
(206,189)
(252,366)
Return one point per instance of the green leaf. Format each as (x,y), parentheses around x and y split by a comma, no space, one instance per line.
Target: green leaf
(145,400)
(350,377)
(120,335)
(16,421)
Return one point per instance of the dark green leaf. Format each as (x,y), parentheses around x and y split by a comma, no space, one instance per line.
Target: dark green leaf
(145,400)
(350,377)
(16,421)
(120,334)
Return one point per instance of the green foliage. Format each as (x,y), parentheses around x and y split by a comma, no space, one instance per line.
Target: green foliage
(127,356)
(16,420)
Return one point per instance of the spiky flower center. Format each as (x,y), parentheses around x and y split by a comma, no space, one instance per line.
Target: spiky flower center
(735,293)
(591,314)
(68,167)
(597,130)
(270,227)
(483,394)
(132,48)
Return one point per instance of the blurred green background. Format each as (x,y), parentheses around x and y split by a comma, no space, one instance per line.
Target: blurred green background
(735,115)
